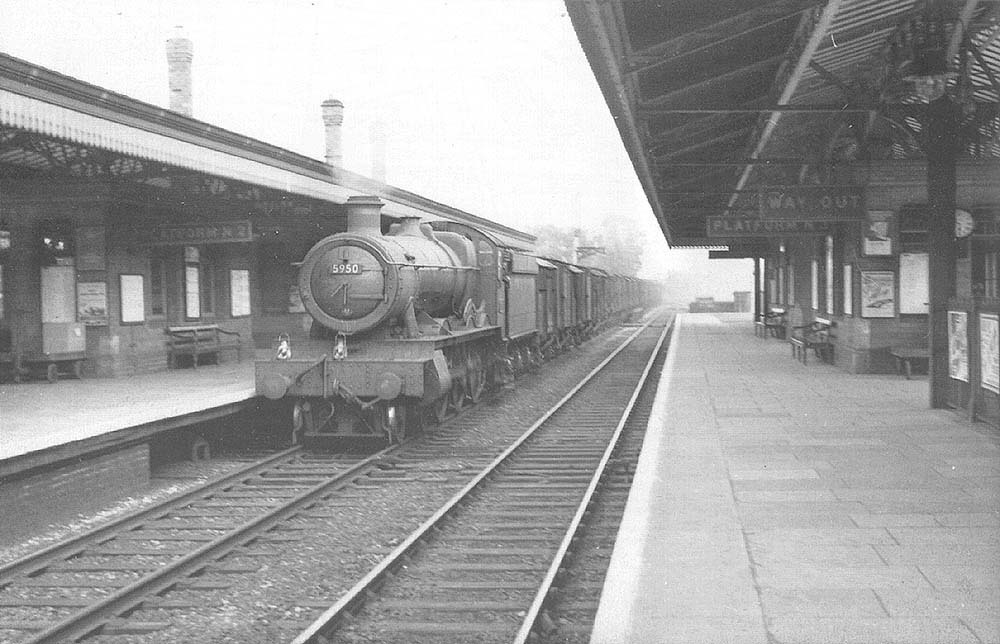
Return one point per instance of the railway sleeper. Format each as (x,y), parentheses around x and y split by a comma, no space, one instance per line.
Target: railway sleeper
(446,628)
(131,627)
(453,606)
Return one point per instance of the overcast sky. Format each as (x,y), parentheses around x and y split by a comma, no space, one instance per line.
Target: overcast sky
(487,105)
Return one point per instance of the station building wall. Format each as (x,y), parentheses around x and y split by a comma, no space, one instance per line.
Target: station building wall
(110,237)
(803,275)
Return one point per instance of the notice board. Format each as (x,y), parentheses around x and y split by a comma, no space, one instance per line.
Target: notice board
(913,293)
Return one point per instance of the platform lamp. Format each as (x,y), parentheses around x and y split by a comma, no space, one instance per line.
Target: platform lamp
(929,73)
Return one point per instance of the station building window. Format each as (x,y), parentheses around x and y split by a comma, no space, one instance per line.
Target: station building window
(192,283)
(5,338)
(781,293)
(208,283)
(814,290)
(847,289)
(828,274)
(985,252)
(791,285)
(991,285)
(4,252)
(913,229)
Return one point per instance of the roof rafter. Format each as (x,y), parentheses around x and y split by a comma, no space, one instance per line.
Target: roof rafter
(720,79)
(724,30)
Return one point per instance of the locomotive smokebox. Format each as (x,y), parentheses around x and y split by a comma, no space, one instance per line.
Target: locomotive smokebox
(356,281)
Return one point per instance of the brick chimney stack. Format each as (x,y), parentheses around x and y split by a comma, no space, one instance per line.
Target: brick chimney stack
(333,118)
(180,52)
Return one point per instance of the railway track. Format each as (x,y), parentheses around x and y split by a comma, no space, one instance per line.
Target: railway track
(483,567)
(91,582)
(570,606)
(152,576)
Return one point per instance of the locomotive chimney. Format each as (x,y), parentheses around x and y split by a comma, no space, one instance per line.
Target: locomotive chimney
(333,118)
(364,215)
(180,52)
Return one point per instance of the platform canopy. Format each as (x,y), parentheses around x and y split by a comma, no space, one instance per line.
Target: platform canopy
(719,100)
(55,126)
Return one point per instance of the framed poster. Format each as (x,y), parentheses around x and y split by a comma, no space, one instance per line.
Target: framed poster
(989,351)
(913,292)
(192,292)
(90,248)
(877,241)
(958,345)
(239,292)
(92,303)
(878,294)
(58,289)
(133,300)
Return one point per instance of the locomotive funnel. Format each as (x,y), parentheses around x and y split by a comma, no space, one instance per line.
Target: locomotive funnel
(364,215)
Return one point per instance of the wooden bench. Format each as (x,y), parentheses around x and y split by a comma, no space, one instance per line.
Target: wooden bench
(771,324)
(199,340)
(906,356)
(817,335)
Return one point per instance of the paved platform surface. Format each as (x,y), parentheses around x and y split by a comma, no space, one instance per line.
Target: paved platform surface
(36,415)
(776,502)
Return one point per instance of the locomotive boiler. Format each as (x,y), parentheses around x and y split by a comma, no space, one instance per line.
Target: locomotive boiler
(400,328)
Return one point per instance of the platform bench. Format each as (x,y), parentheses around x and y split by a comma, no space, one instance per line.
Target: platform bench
(200,340)
(817,335)
(906,356)
(771,324)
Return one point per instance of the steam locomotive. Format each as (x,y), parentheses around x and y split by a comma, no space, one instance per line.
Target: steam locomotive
(418,322)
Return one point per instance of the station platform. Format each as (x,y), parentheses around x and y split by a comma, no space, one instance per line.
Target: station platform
(42,424)
(781,502)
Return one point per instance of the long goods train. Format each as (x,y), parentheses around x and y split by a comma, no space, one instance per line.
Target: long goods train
(421,320)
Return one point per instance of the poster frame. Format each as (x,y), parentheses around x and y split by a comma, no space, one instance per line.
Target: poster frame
(958,345)
(239,292)
(132,298)
(873,303)
(92,303)
(989,351)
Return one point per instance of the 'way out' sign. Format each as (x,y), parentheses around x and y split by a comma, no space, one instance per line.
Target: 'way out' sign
(786,211)
(829,203)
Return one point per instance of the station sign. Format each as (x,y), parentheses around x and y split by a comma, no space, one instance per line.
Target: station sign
(788,211)
(216,232)
(751,226)
(830,203)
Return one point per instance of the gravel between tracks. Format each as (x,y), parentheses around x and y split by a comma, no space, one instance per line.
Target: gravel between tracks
(294,579)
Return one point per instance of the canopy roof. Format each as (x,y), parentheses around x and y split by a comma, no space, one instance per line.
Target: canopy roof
(55,125)
(716,99)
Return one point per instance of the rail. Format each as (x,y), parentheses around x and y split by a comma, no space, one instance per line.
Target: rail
(156,578)
(355,598)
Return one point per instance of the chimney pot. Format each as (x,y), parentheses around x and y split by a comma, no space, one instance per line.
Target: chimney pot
(333,118)
(180,53)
